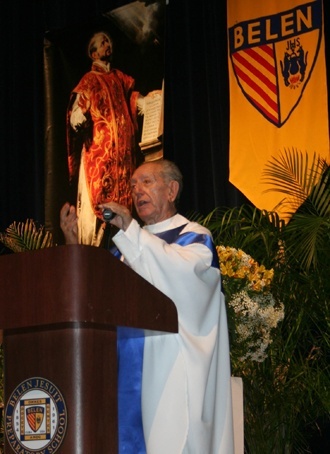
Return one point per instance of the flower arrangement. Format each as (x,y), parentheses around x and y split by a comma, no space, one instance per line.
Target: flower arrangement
(253,311)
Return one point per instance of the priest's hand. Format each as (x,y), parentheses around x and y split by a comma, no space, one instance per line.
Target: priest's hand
(122,215)
(68,223)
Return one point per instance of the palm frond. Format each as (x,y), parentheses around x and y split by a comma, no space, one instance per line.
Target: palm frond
(292,174)
(306,186)
(26,236)
(306,237)
(319,196)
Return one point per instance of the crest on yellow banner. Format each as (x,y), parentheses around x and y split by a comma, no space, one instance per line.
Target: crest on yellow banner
(274,73)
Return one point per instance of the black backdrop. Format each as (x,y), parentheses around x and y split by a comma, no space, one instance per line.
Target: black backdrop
(196,100)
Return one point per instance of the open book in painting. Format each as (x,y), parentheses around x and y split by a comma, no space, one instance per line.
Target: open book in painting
(153,123)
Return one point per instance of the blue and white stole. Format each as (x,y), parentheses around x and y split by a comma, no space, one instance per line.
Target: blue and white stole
(130,345)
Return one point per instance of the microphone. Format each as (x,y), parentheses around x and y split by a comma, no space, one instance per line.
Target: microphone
(108,214)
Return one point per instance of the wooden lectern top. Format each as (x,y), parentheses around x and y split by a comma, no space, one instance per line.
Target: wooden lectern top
(77,283)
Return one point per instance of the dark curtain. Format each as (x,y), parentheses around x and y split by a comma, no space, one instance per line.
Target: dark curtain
(197,109)
(196,100)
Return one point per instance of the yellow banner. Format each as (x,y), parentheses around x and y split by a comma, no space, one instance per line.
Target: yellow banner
(278,88)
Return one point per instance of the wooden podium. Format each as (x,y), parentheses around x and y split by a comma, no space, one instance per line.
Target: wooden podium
(60,308)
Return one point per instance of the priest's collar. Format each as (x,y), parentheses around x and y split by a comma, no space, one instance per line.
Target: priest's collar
(105,66)
(170,223)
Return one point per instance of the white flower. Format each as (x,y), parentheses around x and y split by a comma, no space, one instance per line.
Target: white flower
(256,317)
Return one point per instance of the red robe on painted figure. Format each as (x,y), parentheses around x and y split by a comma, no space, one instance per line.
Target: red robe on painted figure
(106,144)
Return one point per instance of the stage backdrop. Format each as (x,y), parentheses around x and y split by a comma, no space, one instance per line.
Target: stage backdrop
(137,31)
(278,88)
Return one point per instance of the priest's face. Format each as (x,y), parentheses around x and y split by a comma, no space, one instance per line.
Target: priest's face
(153,197)
(102,46)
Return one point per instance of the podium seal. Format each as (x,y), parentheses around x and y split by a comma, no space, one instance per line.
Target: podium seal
(35,417)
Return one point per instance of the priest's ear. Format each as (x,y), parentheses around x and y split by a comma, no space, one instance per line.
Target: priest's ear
(173,190)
